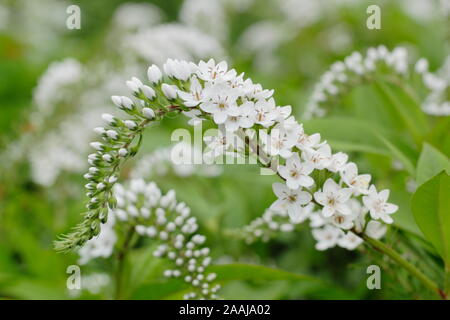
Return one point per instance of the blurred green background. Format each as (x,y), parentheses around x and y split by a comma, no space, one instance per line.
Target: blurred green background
(285,45)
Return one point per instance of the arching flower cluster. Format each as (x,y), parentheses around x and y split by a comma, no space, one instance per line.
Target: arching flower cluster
(311,172)
(142,208)
(356,69)
(353,70)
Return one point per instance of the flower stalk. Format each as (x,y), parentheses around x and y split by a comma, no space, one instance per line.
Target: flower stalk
(397,258)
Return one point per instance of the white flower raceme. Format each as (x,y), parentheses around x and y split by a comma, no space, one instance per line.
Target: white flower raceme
(356,69)
(306,164)
(143,208)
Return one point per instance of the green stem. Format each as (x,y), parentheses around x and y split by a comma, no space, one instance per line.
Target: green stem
(427,282)
(121,263)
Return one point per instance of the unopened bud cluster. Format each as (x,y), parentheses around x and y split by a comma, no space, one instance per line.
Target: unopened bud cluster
(354,70)
(357,69)
(159,217)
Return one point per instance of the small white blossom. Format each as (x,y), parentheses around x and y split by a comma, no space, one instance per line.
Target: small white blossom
(326,237)
(378,206)
(350,241)
(333,198)
(290,200)
(358,183)
(297,173)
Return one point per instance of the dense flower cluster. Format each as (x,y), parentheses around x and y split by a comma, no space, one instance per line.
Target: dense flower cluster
(142,207)
(312,173)
(356,69)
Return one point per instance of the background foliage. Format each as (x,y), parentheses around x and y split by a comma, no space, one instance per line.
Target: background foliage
(385,132)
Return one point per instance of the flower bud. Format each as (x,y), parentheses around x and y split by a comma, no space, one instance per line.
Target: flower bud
(109,118)
(97,145)
(130,124)
(148,92)
(123,152)
(99,130)
(148,113)
(127,103)
(112,134)
(169,91)
(116,100)
(154,74)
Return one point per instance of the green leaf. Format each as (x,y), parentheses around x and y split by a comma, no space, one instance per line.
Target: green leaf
(352,134)
(431,209)
(174,289)
(238,271)
(431,162)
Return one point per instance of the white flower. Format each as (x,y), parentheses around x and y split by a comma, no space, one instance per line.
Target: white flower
(375,229)
(326,237)
(316,220)
(240,117)
(421,66)
(358,183)
(154,74)
(378,206)
(320,158)
(209,71)
(277,142)
(221,104)
(350,241)
(305,141)
(290,200)
(296,173)
(265,112)
(193,116)
(195,94)
(338,161)
(217,145)
(342,221)
(180,70)
(333,198)
(302,214)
